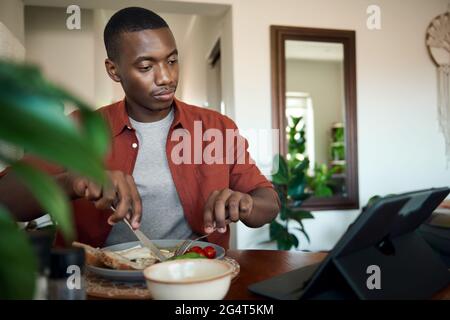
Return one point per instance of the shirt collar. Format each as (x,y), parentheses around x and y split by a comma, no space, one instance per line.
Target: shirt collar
(120,119)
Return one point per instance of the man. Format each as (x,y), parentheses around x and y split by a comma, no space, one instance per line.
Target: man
(161,195)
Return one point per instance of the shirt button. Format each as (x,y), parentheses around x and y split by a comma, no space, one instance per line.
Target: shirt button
(134,145)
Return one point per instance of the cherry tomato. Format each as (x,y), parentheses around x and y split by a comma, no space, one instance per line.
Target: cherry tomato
(210,252)
(197,249)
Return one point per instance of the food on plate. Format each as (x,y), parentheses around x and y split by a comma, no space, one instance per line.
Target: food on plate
(135,258)
(198,250)
(92,255)
(208,252)
(189,255)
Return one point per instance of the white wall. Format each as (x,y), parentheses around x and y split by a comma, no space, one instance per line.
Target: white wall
(106,90)
(193,66)
(11,15)
(65,56)
(11,47)
(323,81)
(200,38)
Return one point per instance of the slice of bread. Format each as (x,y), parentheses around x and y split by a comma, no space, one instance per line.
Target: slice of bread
(117,261)
(92,255)
(135,258)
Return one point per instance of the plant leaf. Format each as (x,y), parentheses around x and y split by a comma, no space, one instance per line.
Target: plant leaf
(299,215)
(276,230)
(294,240)
(96,132)
(281,176)
(280,233)
(295,121)
(302,230)
(297,203)
(32,117)
(41,132)
(18,265)
(283,213)
(280,189)
(302,166)
(296,187)
(323,191)
(52,199)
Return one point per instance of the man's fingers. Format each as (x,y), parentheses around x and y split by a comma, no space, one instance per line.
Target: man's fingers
(111,220)
(245,206)
(124,204)
(93,192)
(208,213)
(224,207)
(107,199)
(233,206)
(79,186)
(136,202)
(120,192)
(219,209)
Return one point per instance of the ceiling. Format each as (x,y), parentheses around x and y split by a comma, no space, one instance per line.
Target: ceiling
(166,6)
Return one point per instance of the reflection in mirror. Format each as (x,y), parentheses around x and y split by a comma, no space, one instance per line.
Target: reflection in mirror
(314,99)
(315,92)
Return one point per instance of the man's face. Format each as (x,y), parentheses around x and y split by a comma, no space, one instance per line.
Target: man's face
(147,67)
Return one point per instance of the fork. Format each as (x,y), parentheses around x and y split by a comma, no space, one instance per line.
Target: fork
(186,244)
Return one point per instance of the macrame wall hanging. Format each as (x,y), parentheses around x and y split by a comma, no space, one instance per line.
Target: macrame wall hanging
(438,43)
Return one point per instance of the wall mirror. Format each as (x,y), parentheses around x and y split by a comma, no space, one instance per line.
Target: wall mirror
(314,77)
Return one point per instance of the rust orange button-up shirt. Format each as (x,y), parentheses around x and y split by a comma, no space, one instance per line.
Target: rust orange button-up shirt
(194,181)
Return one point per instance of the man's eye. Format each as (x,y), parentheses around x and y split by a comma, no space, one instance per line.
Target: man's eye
(172,61)
(144,68)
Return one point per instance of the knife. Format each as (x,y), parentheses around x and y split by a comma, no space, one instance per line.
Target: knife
(145,242)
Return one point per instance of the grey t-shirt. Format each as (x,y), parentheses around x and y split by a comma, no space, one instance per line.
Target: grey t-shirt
(162,213)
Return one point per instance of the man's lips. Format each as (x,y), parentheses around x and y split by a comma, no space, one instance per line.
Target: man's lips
(164,95)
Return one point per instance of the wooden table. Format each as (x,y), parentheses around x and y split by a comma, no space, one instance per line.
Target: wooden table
(258,265)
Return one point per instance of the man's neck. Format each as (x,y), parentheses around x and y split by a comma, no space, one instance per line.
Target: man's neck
(142,114)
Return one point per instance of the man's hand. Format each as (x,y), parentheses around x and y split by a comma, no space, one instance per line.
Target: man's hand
(121,192)
(225,205)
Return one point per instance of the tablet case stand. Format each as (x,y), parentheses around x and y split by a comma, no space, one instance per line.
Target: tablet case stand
(387,239)
(403,274)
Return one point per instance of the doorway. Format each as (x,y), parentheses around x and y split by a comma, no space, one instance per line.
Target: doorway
(214,79)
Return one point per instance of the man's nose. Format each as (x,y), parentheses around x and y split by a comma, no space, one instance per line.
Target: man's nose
(163,76)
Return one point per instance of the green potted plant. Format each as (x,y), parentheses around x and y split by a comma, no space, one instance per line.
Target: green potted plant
(321,182)
(32,117)
(290,182)
(337,147)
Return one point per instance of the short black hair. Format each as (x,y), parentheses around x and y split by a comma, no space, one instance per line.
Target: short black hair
(129,20)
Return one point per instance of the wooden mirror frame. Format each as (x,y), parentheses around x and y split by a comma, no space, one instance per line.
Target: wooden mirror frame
(278,36)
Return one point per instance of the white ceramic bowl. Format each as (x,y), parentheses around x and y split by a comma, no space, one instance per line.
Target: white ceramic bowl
(189,279)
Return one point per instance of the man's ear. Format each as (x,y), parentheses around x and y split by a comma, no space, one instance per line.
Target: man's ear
(112,71)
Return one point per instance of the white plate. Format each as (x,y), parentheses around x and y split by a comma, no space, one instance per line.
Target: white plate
(137,275)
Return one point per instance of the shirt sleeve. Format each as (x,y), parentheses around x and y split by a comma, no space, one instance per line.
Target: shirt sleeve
(38,164)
